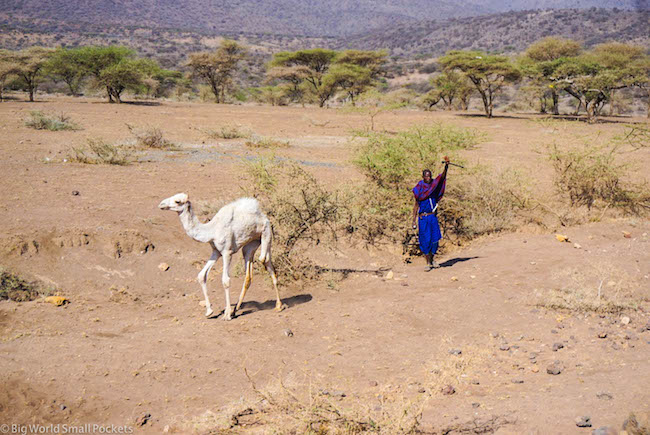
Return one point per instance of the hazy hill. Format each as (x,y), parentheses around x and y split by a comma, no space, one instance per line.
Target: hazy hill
(512,31)
(286,17)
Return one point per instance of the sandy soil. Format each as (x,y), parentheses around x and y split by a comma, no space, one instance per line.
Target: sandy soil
(133,340)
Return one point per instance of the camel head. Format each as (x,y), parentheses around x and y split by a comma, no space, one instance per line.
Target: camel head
(176,203)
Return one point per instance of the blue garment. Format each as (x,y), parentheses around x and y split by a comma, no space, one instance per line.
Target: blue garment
(429,229)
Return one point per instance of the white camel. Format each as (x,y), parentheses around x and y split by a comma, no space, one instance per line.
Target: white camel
(240,224)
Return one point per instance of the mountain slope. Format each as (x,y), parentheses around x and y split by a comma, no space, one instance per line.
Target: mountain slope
(512,31)
(279,17)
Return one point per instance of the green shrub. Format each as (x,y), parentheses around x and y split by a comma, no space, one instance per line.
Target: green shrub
(40,121)
(394,161)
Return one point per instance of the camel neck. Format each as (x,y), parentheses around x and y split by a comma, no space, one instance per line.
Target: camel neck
(191,224)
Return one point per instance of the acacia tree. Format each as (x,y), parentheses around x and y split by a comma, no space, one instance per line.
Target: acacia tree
(322,72)
(28,66)
(540,61)
(592,77)
(449,86)
(65,64)
(312,65)
(7,67)
(95,60)
(356,71)
(489,73)
(218,68)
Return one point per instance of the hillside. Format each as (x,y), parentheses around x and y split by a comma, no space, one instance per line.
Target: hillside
(512,31)
(285,17)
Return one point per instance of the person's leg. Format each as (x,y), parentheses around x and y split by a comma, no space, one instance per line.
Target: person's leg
(425,241)
(433,263)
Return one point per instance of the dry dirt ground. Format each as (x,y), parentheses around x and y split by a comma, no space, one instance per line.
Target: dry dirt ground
(134,340)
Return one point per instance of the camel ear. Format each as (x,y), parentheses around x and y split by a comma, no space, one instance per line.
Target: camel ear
(185,197)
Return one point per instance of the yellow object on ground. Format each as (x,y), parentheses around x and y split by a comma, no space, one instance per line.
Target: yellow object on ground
(57,300)
(561,238)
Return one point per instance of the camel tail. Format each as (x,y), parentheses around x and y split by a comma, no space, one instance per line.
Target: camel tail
(267,238)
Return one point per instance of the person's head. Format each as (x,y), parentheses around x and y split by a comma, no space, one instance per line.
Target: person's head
(426,176)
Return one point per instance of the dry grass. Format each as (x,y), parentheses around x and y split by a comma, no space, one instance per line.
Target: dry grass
(303,407)
(484,201)
(228,131)
(15,288)
(455,370)
(151,138)
(98,152)
(598,287)
(590,176)
(266,142)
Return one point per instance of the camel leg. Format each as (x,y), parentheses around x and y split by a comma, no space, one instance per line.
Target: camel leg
(203,278)
(225,280)
(248,252)
(274,278)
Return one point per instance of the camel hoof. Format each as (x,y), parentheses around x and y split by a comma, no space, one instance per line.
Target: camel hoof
(209,313)
(279,307)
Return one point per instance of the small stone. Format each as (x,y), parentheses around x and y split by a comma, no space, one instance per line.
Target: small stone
(577,246)
(422,390)
(63,407)
(532,355)
(517,381)
(476,405)
(454,278)
(288,332)
(602,335)
(557,346)
(373,383)
(455,352)
(448,390)
(625,320)
(202,303)
(390,274)
(494,334)
(604,395)
(554,369)
(166,428)
(163,267)
(474,382)
(534,369)
(143,419)
(627,234)
(584,421)
(554,331)
(75,193)
(504,347)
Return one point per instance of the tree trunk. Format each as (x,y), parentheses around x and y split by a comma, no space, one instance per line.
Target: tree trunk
(486,105)
(556,110)
(109,93)
(31,93)
(577,112)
